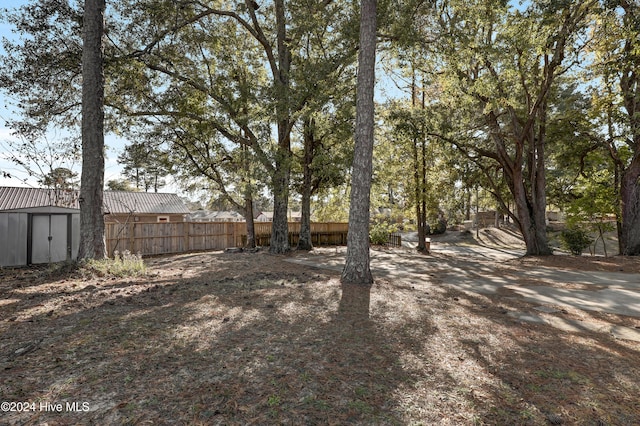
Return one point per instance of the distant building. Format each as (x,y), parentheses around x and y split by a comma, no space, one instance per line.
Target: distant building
(121,206)
(215,216)
(268,216)
(264,217)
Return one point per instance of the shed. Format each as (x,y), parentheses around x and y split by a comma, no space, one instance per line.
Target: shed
(40,225)
(37,226)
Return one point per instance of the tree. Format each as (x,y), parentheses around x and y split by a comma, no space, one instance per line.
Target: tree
(92,244)
(186,71)
(310,143)
(42,72)
(280,181)
(357,266)
(120,185)
(46,160)
(617,102)
(595,201)
(328,204)
(54,72)
(325,123)
(500,68)
(325,155)
(410,128)
(61,178)
(227,169)
(145,165)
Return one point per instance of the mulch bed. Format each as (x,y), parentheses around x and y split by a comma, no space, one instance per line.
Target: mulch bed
(247,338)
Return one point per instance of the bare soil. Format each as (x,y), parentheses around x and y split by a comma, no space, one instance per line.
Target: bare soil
(249,338)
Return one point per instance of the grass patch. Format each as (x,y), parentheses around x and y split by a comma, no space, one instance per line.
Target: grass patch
(125,264)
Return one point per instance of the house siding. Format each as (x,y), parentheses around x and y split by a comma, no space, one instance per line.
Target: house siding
(142,218)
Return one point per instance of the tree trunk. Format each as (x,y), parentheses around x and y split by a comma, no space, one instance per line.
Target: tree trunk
(528,192)
(279,242)
(357,268)
(419,213)
(280,227)
(248,200)
(248,217)
(617,186)
(304,241)
(426,229)
(467,207)
(630,91)
(416,177)
(539,183)
(92,243)
(630,197)
(533,230)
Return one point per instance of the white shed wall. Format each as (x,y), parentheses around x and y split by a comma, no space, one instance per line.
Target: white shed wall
(13,239)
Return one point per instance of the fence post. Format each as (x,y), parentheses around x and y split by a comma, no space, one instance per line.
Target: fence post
(187,240)
(236,234)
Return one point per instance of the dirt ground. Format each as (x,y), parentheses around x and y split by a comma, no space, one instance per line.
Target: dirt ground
(249,338)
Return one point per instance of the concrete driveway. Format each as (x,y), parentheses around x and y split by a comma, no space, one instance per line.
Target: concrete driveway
(476,269)
(611,292)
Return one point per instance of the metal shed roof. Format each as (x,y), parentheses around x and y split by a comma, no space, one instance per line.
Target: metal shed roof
(114,201)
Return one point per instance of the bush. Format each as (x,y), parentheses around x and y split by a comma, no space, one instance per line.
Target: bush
(438,226)
(378,234)
(575,240)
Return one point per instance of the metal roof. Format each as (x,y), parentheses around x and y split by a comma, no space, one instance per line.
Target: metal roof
(143,202)
(114,201)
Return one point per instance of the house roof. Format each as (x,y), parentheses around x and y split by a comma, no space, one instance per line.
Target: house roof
(227,215)
(214,215)
(269,215)
(114,201)
(143,202)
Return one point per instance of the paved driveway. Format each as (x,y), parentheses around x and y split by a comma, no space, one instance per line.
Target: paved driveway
(476,269)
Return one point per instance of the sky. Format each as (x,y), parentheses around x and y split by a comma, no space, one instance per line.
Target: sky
(5,113)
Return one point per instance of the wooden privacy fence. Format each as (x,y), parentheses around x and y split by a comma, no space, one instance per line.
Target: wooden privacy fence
(322,234)
(179,237)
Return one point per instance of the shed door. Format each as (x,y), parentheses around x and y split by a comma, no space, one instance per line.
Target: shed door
(48,238)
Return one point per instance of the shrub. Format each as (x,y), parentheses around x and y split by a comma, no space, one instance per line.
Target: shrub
(437,226)
(379,231)
(575,240)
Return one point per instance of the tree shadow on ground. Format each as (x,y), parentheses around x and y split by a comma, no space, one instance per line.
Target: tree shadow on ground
(252,339)
(542,374)
(233,347)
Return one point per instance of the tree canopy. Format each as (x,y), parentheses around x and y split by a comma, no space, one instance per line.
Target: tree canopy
(534,105)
